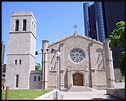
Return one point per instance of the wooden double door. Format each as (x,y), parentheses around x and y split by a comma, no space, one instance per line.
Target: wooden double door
(78,79)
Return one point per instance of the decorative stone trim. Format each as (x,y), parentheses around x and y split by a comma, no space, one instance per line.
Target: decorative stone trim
(79,35)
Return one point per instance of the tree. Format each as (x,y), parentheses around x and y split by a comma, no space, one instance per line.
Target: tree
(117,38)
(37,66)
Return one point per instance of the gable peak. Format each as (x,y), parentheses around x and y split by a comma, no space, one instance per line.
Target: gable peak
(75,32)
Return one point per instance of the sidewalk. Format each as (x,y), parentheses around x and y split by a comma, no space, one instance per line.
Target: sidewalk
(82,93)
(87,95)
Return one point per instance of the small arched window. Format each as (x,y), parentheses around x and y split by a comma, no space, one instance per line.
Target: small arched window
(24,25)
(15,62)
(20,62)
(16,25)
(17,80)
(38,78)
(34,78)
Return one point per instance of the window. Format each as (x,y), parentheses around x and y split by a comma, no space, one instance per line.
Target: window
(15,62)
(17,80)
(17,25)
(34,78)
(20,62)
(4,69)
(32,26)
(38,78)
(3,75)
(77,55)
(34,29)
(24,25)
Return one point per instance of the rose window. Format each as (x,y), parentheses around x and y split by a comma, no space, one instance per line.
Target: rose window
(77,55)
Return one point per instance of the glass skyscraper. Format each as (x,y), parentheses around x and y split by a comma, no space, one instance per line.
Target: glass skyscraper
(102,17)
(86,19)
(99,21)
(93,20)
(113,12)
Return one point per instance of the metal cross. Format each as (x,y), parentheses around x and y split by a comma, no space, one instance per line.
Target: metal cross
(75,26)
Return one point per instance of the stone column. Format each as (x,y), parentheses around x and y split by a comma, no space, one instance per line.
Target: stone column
(61,65)
(90,71)
(45,64)
(110,79)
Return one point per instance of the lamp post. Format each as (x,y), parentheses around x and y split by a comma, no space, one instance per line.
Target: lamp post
(58,54)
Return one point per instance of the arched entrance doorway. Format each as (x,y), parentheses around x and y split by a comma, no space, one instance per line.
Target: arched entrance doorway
(78,79)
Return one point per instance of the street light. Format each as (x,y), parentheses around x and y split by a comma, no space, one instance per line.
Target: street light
(58,54)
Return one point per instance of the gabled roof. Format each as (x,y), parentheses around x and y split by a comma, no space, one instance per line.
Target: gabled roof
(76,35)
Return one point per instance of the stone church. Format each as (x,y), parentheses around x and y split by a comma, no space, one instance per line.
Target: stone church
(83,61)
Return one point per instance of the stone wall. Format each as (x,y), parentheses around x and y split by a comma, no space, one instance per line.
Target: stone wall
(95,52)
(35,84)
(116,92)
(118,76)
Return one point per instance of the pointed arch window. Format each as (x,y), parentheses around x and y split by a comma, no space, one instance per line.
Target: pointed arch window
(34,78)
(20,62)
(38,78)
(15,62)
(16,25)
(17,80)
(24,24)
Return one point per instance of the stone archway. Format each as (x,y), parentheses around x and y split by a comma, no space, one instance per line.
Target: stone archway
(78,79)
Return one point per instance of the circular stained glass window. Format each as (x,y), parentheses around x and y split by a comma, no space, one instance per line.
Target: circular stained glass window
(77,55)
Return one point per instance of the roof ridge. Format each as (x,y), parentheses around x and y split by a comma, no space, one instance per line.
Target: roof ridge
(62,39)
(81,35)
(89,38)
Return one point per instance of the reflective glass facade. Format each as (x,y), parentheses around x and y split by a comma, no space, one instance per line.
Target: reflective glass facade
(102,17)
(86,19)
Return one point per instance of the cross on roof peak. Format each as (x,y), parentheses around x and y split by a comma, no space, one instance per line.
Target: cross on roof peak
(75,26)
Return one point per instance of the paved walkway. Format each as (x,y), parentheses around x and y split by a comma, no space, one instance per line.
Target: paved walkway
(78,89)
(85,93)
(82,93)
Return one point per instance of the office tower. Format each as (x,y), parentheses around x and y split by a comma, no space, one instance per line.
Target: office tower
(93,33)
(86,19)
(2,53)
(113,13)
(99,21)
(3,66)
(103,17)
(94,16)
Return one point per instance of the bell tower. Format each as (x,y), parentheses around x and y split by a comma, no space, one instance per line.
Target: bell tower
(21,50)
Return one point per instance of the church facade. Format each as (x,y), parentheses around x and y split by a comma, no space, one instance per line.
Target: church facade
(82,62)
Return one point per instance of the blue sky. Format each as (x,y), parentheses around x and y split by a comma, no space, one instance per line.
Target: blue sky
(55,20)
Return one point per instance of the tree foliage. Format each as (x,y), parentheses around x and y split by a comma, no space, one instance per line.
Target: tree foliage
(118,39)
(37,66)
